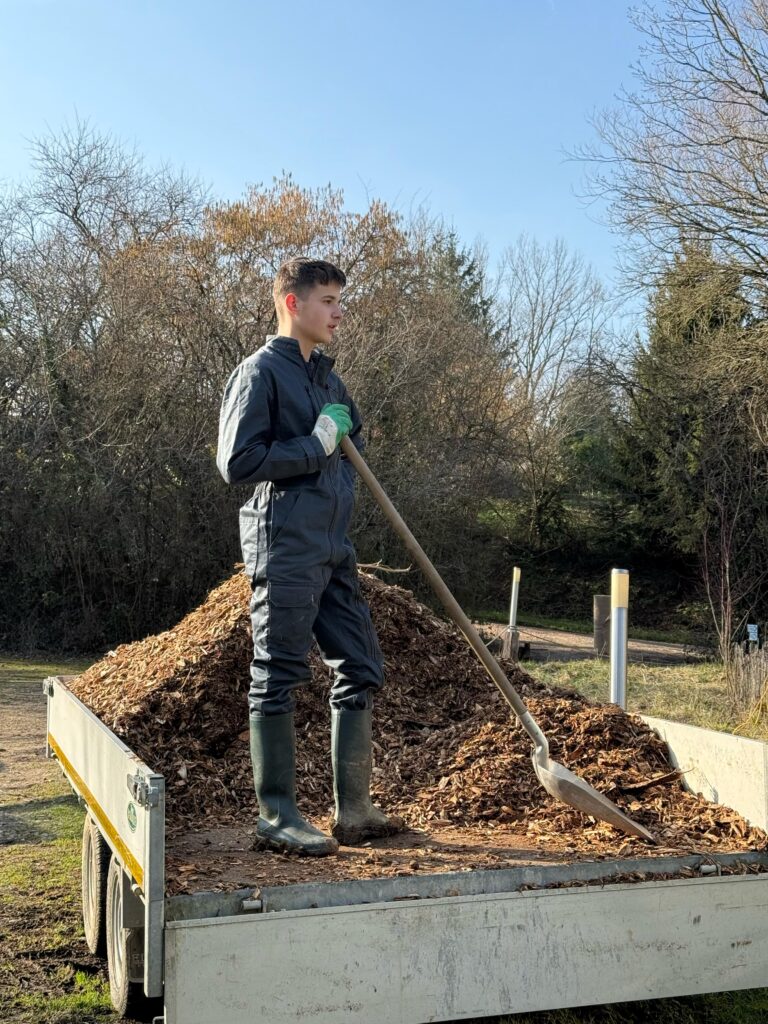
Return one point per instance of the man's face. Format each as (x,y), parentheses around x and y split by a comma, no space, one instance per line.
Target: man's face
(316,316)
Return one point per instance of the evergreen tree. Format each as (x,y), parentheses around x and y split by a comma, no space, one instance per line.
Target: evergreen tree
(700,482)
(458,272)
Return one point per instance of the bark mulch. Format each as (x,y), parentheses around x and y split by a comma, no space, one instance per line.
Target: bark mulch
(449,754)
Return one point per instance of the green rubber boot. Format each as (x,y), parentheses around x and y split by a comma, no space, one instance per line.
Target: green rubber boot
(357,817)
(280,825)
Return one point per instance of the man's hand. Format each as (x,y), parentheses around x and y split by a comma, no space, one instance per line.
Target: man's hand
(332,425)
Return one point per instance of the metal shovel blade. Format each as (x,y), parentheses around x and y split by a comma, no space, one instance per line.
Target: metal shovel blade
(564,785)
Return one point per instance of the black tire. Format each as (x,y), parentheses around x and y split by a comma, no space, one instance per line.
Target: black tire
(127,996)
(94,868)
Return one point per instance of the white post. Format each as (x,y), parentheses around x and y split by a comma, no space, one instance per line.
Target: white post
(511,642)
(515,595)
(619,634)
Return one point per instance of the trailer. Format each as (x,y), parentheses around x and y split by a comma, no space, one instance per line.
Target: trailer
(407,950)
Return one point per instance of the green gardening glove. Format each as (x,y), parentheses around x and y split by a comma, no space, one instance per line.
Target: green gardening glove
(333,423)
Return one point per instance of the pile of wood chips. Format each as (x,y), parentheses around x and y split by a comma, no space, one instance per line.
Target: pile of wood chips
(448,750)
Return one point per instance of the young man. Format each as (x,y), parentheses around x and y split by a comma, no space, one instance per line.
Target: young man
(283,417)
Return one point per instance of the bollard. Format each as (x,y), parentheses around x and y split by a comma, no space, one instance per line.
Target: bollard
(619,633)
(512,634)
(601,621)
(511,645)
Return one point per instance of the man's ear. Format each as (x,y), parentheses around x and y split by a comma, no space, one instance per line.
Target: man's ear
(291,304)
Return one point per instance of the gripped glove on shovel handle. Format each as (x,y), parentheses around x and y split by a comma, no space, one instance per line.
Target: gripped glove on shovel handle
(558,781)
(333,424)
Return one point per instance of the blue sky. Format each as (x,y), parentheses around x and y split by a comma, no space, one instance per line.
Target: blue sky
(464,106)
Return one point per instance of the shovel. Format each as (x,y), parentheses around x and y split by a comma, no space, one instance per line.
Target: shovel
(560,783)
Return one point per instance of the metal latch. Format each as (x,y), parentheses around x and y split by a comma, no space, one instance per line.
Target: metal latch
(142,791)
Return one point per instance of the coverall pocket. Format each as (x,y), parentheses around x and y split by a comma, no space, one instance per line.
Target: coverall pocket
(292,612)
(253,535)
(283,507)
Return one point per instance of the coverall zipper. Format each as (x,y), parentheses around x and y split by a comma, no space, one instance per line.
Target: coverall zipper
(311,391)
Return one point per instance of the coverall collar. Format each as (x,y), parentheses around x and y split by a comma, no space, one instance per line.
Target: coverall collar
(319,365)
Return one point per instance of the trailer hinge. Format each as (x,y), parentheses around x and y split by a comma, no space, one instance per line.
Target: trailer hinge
(48,687)
(253,904)
(142,791)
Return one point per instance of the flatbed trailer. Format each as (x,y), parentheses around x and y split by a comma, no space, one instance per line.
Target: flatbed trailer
(407,950)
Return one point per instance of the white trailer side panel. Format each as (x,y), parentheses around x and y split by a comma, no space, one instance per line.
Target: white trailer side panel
(447,959)
(99,766)
(723,768)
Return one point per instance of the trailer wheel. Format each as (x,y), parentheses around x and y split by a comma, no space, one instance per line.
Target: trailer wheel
(124,946)
(95,864)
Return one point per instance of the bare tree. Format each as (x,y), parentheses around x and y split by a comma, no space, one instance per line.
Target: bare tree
(682,158)
(125,302)
(552,313)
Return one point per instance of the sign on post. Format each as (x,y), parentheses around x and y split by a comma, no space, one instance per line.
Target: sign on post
(601,624)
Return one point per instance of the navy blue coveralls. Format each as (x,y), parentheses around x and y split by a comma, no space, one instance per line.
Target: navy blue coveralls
(293,531)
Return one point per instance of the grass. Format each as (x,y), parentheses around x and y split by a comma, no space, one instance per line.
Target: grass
(87,1000)
(47,975)
(695,694)
(678,635)
(19,669)
(45,815)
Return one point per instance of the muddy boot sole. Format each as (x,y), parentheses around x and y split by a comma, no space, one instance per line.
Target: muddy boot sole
(356,835)
(272,844)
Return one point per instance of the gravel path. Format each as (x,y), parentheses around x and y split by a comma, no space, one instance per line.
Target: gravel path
(556,645)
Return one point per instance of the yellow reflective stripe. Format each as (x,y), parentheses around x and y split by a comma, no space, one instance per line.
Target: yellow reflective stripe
(106,825)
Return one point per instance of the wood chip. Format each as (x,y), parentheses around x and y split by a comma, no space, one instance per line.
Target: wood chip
(448,751)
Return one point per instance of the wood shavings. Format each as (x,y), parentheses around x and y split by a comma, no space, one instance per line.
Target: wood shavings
(449,753)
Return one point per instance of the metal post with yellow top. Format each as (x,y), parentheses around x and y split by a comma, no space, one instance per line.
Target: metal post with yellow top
(619,634)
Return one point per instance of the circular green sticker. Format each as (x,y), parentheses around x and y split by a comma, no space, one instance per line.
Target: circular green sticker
(132,817)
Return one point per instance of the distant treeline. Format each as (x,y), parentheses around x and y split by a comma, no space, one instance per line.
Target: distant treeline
(504,416)
(127,299)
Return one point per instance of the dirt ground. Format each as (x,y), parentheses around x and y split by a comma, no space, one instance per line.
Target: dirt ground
(23,764)
(47,974)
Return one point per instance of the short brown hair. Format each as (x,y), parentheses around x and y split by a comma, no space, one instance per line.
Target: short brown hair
(301,274)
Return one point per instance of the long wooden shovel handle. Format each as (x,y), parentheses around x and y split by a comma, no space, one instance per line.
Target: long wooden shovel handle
(452,606)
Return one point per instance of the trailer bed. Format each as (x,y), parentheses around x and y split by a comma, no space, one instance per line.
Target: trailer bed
(724,769)
(442,925)
(223,857)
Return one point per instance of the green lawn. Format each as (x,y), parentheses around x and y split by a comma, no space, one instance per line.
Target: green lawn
(14,669)
(682,693)
(47,975)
